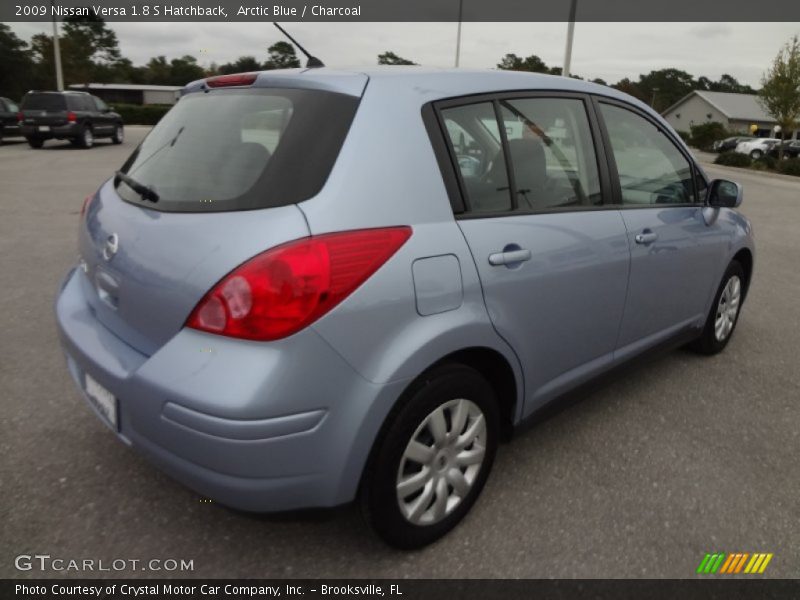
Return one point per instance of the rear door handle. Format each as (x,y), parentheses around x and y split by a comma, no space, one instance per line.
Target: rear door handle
(646,237)
(509,258)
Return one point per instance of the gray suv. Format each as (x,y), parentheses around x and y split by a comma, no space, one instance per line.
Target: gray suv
(307,287)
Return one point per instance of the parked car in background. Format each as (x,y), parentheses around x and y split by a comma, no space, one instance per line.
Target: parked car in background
(282,319)
(9,126)
(791,149)
(757,147)
(730,143)
(75,116)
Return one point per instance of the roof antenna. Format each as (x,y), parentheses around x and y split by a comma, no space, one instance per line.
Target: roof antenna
(312,62)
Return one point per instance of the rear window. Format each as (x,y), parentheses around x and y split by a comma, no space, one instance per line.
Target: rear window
(43,102)
(226,150)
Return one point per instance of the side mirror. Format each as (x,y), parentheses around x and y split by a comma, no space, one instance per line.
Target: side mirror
(724,194)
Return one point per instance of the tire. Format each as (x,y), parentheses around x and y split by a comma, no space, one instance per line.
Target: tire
(119,134)
(756,154)
(433,506)
(86,138)
(35,142)
(720,324)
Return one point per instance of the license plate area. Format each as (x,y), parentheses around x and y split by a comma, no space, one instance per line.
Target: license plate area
(44,127)
(102,400)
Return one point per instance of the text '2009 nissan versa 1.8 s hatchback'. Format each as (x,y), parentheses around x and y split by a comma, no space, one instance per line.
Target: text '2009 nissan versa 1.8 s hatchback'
(310,286)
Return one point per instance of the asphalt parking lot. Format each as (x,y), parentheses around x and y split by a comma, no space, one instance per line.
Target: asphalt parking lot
(681,456)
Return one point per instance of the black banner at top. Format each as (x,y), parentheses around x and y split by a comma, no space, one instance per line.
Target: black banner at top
(404,10)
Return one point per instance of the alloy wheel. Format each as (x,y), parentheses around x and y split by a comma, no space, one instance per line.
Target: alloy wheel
(441,462)
(728,308)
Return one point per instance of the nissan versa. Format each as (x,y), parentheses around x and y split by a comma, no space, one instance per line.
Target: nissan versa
(310,286)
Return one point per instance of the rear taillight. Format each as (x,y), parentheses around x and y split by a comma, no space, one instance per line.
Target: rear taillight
(282,290)
(72,117)
(230,80)
(85,205)
(20,117)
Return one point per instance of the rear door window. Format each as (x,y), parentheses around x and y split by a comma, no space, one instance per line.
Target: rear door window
(552,153)
(240,149)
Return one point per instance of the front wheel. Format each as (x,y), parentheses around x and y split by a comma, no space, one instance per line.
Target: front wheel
(756,154)
(432,462)
(724,312)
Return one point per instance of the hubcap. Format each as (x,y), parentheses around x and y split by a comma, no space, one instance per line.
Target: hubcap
(728,308)
(441,462)
(87,137)
(120,134)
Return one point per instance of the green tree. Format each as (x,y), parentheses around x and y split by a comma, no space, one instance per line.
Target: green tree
(184,70)
(16,75)
(282,56)
(89,52)
(629,87)
(390,58)
(780,88)
(532,63)
(243,64)
(665,87)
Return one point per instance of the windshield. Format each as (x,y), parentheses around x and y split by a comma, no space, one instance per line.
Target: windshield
(43,102)
(239,149)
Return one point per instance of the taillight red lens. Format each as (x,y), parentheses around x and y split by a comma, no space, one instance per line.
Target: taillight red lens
(72,117)
(229,80)
(20,116)
(282,290)
(85,205)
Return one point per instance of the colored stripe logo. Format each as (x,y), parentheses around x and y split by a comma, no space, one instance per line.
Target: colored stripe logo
(737,562)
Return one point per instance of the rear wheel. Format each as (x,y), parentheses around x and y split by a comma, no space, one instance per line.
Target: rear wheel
(35,142)
(86,138)
(756,154)
(119,134)
(724,312)
(432,462)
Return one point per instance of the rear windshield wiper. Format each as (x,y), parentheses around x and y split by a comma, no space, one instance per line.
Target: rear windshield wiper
(147,193)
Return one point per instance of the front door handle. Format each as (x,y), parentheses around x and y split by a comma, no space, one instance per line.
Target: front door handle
(646,237)
(509,257)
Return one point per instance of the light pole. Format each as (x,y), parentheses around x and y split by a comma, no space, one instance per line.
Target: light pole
(570,33)
(57,52)
(458,33)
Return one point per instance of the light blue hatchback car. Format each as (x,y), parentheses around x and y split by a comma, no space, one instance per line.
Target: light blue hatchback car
(310,286)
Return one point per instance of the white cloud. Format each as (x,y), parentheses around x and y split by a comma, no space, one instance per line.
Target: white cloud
(608,50)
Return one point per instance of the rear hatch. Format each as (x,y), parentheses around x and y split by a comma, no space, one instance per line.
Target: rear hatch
(213,184)
(46,109)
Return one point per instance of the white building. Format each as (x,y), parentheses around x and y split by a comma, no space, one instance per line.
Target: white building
(736,111)
(131,93)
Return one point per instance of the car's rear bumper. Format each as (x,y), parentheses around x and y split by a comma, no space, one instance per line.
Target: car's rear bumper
(256,426)
(52,131)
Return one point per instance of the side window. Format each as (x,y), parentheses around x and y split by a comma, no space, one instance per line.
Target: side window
(101,106)
(552,153)
(651,168)
(472,132)
(12,107)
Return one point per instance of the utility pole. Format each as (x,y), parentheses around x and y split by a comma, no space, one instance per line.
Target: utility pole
(570,33)
(57,52)
(458,34)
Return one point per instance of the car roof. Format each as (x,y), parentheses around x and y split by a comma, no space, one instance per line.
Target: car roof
(429,84)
